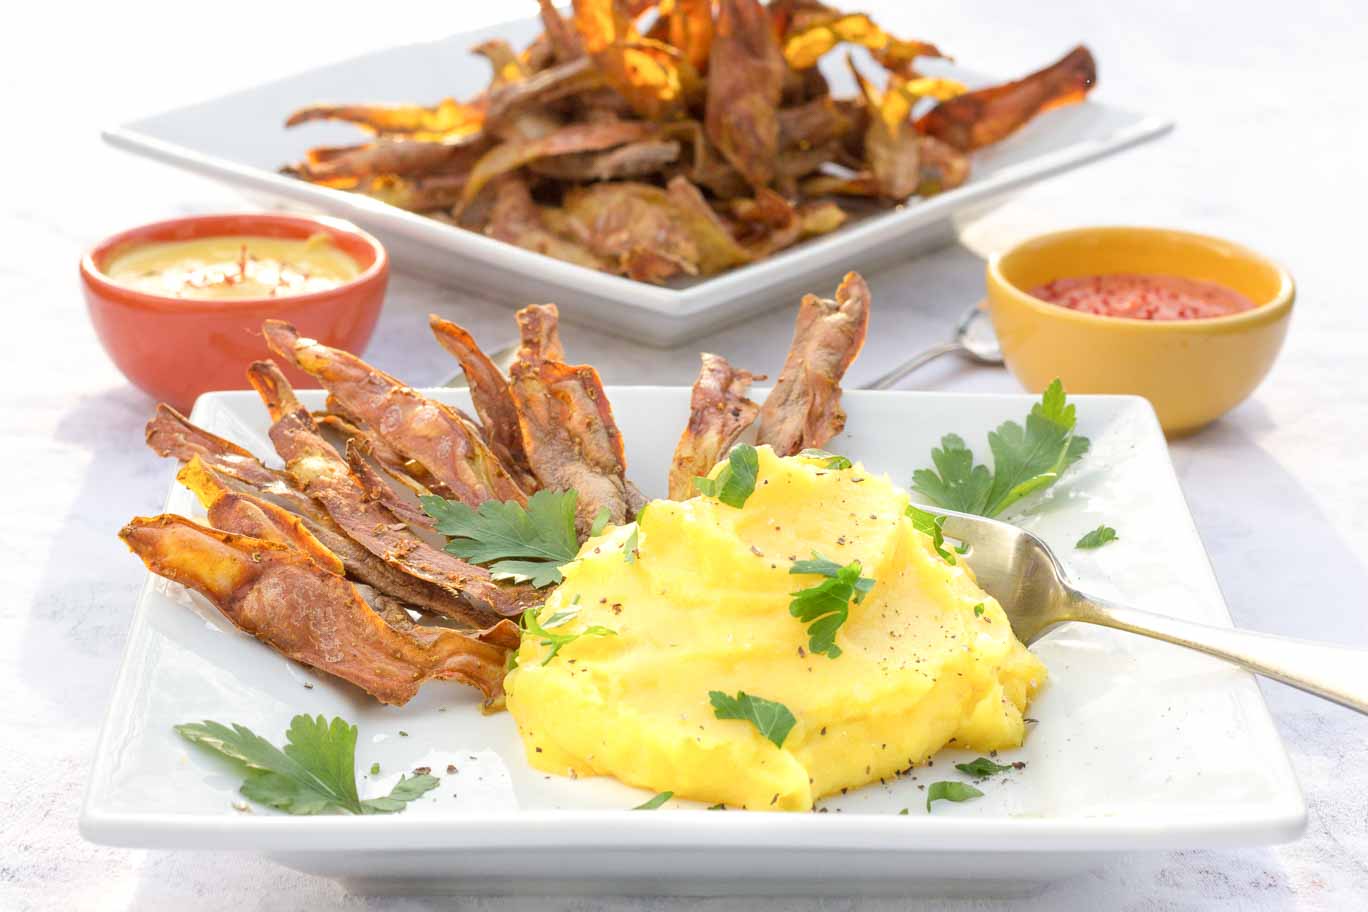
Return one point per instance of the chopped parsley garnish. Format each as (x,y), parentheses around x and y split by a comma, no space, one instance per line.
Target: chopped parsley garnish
(950,791)
(978,610)
(829,460)
(933,526)
(826,605)
(773,720)
(537,630)
(631,547)
(600,520)
(1097,537)
(736,482)
(1025,460)
(314,774)
(375,769)
(654,802)
(516,543)
(982,767)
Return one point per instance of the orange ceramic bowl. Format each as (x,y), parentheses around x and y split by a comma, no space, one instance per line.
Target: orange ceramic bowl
(176,348)
(1191,371)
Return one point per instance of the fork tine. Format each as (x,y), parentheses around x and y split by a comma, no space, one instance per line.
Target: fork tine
(1016,568)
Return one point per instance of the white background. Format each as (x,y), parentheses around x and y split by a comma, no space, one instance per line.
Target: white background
(1269,150)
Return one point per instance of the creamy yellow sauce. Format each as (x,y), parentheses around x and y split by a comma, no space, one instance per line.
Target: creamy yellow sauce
(705,606)
(233,267)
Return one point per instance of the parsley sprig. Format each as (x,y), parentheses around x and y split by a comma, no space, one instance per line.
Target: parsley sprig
(1025,460)
(556,641)
(315,773)
(771,719)
(736,482)
(826,606)
(516,543)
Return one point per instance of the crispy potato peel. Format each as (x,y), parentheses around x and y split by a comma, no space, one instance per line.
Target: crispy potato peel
(330,565)
(283,598)
(575,146)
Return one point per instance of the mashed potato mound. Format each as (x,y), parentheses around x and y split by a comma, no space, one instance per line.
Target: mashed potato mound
(705,606)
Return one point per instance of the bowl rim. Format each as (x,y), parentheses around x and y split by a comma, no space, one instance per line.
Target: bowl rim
(379,266)
(1269,311)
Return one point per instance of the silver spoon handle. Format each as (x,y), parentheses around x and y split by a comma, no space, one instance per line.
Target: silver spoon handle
(890,379)
(1336,673)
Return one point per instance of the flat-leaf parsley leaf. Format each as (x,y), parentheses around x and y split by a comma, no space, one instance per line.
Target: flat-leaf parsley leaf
(1097,537)
(314,774)
(933,526)
(556,641)
(828,460)
(736,482)
(826,605)
(600,520)
(982,767)
(514,542)
(1025,460)
(955,483)
(650,804)
(950,791)
(631,548)
(773,720)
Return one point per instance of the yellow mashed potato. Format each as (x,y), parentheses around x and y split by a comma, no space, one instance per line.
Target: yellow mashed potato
(705,606)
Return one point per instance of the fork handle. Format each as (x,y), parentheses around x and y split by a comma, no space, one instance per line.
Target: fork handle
(1336,673)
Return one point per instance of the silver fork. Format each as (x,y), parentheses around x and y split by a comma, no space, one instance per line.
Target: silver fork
(1019,570)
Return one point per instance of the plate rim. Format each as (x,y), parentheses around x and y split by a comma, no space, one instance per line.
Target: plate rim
(1280,820)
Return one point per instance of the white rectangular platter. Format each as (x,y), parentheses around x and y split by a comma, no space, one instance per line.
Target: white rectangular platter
(241,139)
(1139,745)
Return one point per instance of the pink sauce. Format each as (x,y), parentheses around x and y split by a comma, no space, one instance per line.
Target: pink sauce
(1143,297)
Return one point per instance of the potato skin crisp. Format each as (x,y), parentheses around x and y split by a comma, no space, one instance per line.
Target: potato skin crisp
(640,137)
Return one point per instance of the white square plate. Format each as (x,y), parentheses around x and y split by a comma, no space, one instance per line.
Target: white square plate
(241,139)
(1139,745)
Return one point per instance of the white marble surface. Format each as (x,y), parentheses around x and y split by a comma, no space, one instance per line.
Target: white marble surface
(1268,150)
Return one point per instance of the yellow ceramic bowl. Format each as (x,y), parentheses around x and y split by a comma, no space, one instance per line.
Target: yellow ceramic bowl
(1193,371)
